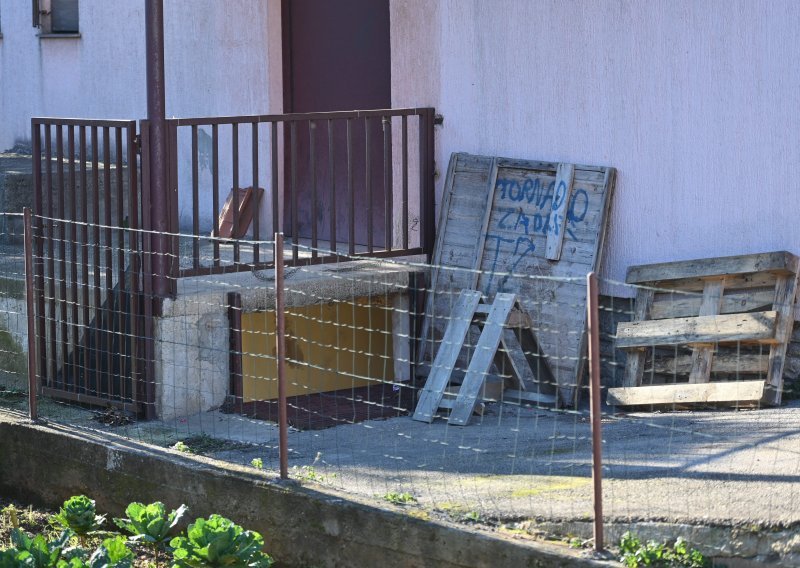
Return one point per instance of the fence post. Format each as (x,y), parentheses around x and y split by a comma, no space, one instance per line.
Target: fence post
(594,392)
(33,411)
(280,350)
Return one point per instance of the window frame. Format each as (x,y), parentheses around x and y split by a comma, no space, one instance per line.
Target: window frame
(43,19)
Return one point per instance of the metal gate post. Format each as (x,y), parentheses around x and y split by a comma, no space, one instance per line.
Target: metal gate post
(594,392)
(33,411)
(280,349)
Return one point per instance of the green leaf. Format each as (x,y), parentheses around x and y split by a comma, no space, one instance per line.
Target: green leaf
(112,553)
(79,515)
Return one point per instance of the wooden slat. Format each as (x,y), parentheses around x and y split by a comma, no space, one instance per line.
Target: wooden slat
(722,363)
(513,362)
(447,355)
(753,327)
(780,262)
(666,305)
(487,214)
(528,396)
(482,359)
(734,282)
(738,391)
(558,213)
(785,294)
(636,359)
(703,355)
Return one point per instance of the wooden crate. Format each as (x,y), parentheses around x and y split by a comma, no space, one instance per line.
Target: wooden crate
(718,327)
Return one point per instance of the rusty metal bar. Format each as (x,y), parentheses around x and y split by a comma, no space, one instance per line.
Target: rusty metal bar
(135,264)
(277,219)
(73,240)
(299,116)
(368,182)
(96,256)
(173,263)
(235,190)
(215,189)
(351,237)
(84,255)
(405,181)
(256,220)
(312,165)
(295,237)
(40,338)
(33,412)
(235,340)
(388,186)
(109,260)
(595,395)
(147,385)
(122,319)
(61,296)
(50,354)
(195,201)
(332,178)
(426,187)
(280,350)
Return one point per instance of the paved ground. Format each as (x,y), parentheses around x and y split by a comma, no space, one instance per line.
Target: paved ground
(710,466)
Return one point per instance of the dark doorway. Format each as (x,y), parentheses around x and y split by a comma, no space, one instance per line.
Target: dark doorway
(336,58)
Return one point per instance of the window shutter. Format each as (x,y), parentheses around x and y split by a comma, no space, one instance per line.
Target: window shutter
(64,16)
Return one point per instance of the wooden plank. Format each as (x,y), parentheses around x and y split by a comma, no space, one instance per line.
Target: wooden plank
(753,327)
(785,294)
(735,282)
(512,362)
(722,363)
(667,305)
(780,262)
(528,396)
(558,212)
(703,355)
(484,225)
(447,355)
(737,391)
(482,359)
(636,359)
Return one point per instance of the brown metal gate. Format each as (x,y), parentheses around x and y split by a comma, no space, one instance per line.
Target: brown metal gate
(92,339)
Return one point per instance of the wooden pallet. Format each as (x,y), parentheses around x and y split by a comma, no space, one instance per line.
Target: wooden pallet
(722,318)
(504,324)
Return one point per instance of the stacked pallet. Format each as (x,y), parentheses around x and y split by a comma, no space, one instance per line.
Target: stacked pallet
(712,330)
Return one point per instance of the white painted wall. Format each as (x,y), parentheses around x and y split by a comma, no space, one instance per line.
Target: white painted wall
(694,102)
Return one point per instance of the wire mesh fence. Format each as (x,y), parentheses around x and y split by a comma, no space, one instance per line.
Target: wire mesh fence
(470,405)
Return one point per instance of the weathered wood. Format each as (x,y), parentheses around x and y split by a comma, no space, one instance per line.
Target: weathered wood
(752,327)
(735,282)
(482,359)
(785,294)
(735,391)
(519,396)
(703,355)
(558,212)
(728,363)
(676,305)
(446,357)
(636,359)
(779,262)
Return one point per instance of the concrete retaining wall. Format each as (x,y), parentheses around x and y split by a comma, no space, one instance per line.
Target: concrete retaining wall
(302,527)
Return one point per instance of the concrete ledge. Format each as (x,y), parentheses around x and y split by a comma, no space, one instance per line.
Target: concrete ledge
(45,464)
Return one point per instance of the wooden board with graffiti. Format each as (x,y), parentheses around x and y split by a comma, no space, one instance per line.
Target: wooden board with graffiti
(534,229)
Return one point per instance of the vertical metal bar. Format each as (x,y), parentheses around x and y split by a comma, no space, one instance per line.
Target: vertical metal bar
(173,258)
(280,351)
(332,178)
(146,332)
(109,260)
(351,237)
(96,257)
(368,183)
(235,190)
(84,217)
(405,182)
(254,195)
(51,292)
(61,297)
(73,195)
(312,165)
(40,338)
(235,325)
(427,204)
(388,197)
(597,439)
(33,413)
(295,236)
(156,115)
(195,202)
(122,320)
(277,219)
(135,263)
(215,188)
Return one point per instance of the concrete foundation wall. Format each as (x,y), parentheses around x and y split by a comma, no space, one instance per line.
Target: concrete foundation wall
(301,526)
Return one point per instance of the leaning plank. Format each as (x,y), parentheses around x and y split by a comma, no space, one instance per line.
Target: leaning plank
(558,211)
(729,363)
(482,359)
(446,357)
(752,327)
(702,355)
(738,391)
(785,293)
(782,262)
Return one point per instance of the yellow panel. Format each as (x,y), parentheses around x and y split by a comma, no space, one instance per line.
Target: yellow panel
(328,347)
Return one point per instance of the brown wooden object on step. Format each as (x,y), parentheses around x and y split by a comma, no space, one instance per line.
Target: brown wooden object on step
(248,205)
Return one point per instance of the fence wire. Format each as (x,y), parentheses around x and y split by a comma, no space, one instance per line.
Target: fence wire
(357,373)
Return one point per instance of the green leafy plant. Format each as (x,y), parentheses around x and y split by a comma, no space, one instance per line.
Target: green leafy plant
(181,447)
(400,498)
(257,463)
(37,551)
(218,541)
(80,516)
(149,524)
(635,554)
(112,553)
